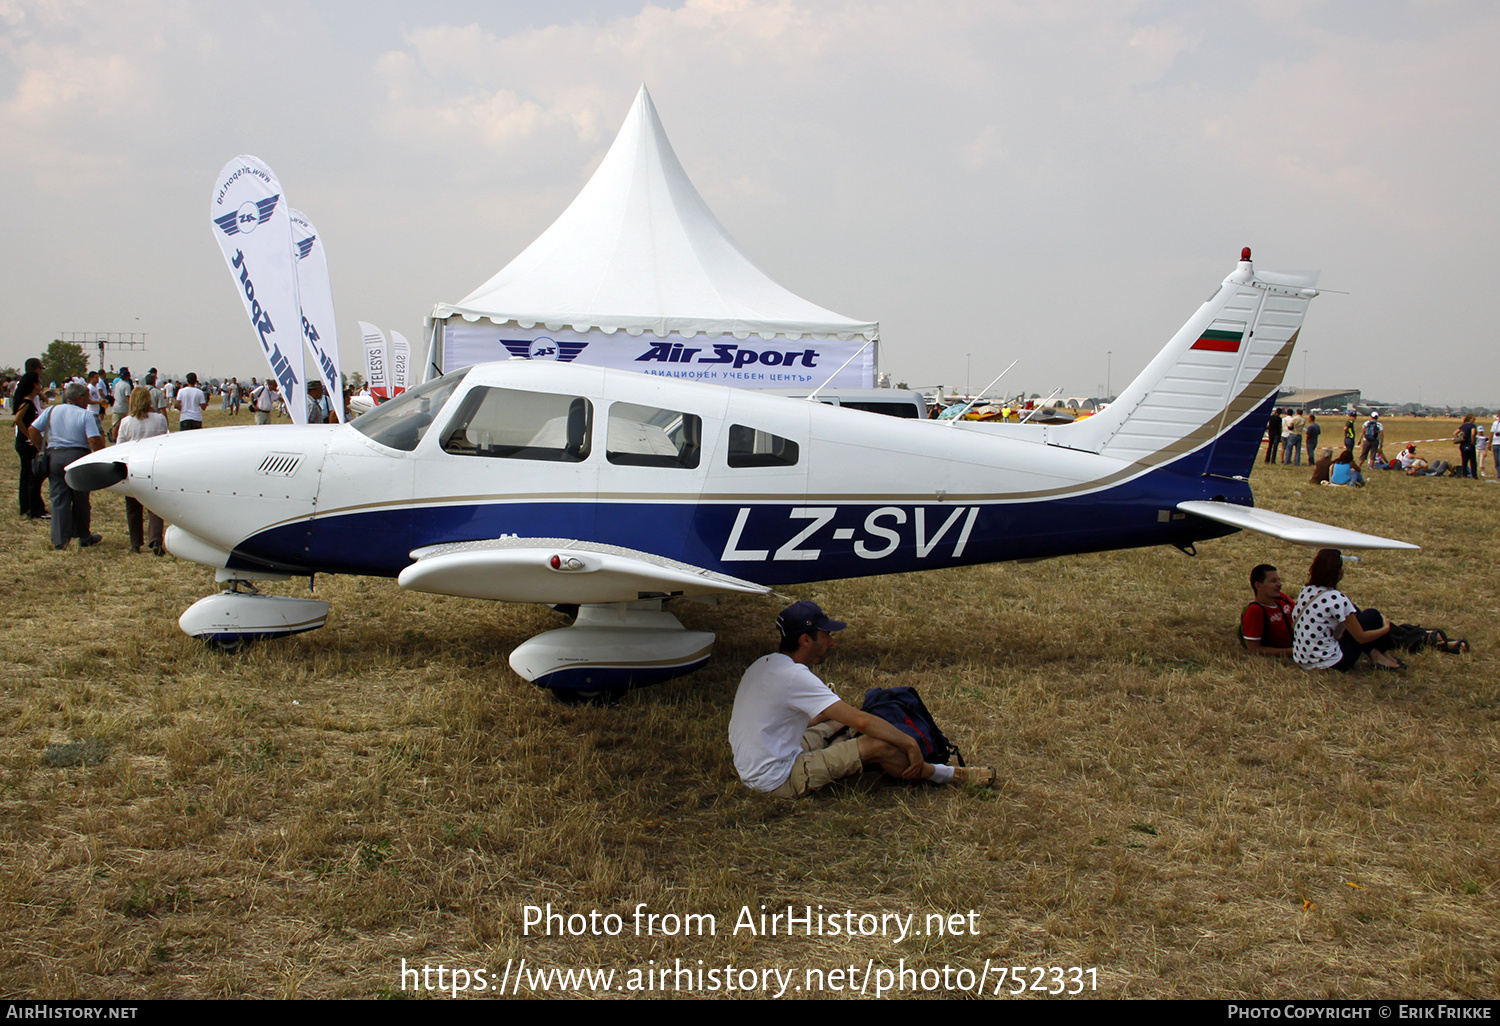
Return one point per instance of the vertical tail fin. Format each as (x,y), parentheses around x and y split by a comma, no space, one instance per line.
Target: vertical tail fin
(1208,391)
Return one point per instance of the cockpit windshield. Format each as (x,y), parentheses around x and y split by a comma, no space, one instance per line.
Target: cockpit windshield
(403,421)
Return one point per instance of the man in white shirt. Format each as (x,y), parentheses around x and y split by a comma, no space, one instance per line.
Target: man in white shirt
(788,729)
(96,398)
(1291,442)
(1373,434)
(263,400)
(190,400)
(121,393)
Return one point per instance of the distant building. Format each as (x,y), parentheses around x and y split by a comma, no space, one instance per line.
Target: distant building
(1320,398)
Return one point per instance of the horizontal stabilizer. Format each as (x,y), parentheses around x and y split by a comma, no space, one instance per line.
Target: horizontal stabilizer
(558,570)
(1292,529)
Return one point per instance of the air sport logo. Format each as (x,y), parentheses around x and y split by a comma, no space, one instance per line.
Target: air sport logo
(544,349)
(251,215)
(727,353)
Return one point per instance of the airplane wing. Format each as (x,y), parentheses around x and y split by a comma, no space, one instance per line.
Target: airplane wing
(1292,529)
(560,570)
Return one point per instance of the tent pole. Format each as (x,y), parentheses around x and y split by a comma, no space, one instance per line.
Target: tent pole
(434,351)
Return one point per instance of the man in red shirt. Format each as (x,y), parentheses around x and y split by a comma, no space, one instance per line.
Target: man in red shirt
(1266,625)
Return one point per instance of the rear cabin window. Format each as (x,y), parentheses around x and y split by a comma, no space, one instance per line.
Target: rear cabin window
(506,423)
(749,447)
(647,436)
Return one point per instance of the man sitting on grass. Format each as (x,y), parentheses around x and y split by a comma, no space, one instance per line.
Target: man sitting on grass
(792,735)
(1266,624)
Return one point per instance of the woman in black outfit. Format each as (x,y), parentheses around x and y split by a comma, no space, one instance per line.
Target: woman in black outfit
(1467,453)
(31,486)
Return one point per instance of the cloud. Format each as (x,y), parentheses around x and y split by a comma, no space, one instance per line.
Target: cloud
(932,165)
(1155,49)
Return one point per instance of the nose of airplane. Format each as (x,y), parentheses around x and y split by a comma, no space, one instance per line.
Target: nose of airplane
(112,465)
(96,471)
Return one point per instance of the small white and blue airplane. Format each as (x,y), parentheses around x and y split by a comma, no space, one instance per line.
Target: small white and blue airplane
(536,481)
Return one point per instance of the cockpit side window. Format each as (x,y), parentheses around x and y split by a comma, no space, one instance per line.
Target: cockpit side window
(646,436)
(507,423)
(402,422)
(749,447)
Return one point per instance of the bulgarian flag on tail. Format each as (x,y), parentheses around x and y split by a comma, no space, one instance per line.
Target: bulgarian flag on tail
(1219,341)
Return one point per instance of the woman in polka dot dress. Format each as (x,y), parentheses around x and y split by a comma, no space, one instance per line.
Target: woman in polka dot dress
(1329,632)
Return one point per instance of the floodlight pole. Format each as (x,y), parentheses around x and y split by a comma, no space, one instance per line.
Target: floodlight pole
(105,340)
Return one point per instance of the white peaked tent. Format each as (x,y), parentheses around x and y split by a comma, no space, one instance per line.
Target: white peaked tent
(637,273)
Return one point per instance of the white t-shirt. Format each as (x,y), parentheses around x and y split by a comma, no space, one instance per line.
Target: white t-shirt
(192,400)
(776,698)
(122,392)
(1318,621)
(133,429)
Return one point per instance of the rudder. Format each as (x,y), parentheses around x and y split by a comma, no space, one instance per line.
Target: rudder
(1206,392)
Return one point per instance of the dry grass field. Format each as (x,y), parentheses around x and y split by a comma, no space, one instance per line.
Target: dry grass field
(296,820)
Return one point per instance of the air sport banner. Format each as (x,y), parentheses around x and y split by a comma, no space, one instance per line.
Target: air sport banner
(400,363)
(254,231)
(316,296)
(752,362)
(377,366)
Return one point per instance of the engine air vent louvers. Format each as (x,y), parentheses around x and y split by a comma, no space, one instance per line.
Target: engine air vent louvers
(279,464)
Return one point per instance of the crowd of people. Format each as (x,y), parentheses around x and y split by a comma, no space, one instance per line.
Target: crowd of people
(1286,429)
(1324,629)
(55,425)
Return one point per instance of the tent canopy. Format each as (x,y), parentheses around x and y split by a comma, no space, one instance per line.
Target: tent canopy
(638,250)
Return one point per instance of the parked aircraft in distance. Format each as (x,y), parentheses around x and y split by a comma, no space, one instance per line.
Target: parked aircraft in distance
(533,481)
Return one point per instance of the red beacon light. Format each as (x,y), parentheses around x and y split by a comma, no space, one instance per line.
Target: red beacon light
(1245,253)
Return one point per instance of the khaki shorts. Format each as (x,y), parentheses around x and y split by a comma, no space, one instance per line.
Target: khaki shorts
(830,751)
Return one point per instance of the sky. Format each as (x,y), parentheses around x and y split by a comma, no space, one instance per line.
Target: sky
(1059,182)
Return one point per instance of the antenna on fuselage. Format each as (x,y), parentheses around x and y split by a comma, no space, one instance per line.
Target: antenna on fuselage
(957,416)
(814,396)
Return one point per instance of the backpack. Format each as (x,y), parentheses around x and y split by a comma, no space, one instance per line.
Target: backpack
(1409,637)
(902,708)
(1265,624)
(1372,431)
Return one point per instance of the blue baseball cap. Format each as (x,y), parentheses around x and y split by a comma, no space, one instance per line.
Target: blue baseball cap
(805,617)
